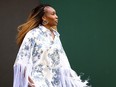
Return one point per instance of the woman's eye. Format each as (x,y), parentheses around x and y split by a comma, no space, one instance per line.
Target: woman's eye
(53,13)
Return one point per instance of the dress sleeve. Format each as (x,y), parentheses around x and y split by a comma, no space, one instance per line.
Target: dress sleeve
(22,65)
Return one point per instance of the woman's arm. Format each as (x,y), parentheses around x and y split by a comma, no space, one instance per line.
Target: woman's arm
(22,65)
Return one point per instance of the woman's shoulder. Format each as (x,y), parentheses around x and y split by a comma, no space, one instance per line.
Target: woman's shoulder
(33,32)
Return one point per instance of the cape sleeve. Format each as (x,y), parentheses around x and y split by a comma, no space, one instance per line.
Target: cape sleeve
(22,65)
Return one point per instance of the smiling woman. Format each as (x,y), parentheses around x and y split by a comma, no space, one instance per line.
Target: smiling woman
(41,60)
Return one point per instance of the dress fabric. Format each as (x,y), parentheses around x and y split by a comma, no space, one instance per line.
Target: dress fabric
(44,60)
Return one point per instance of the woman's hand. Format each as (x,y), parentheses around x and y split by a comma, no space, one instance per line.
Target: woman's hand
(30,82)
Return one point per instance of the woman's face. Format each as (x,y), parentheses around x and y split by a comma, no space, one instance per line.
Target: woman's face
(50,16)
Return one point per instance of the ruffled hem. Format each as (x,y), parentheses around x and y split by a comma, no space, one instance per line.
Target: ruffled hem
(21,74)
(69,78)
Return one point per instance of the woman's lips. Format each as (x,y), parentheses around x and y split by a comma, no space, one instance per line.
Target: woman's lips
(56,21)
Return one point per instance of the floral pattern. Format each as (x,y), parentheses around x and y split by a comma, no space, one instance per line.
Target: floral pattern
(44,60)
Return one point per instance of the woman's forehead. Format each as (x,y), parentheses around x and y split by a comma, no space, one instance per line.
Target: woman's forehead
(49,9)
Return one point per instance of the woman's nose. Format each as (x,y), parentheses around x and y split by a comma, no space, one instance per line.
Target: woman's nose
(56,17)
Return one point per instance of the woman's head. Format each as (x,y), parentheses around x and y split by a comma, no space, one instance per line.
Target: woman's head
(49,18)
(43,14)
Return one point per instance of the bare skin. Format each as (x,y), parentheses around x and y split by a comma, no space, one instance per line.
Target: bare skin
(51,17)
(31,83)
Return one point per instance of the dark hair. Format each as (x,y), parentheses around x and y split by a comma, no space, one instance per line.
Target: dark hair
(38,12)
(34,19)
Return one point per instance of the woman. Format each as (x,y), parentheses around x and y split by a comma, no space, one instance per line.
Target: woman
(41,60)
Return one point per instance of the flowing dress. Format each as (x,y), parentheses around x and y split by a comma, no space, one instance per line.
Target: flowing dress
(43,59)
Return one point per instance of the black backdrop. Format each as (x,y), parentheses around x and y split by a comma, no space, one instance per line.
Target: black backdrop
(12,14)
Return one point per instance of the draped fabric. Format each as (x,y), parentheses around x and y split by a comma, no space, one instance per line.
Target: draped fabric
(42,62)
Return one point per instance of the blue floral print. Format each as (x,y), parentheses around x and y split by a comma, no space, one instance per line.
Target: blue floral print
(43,59)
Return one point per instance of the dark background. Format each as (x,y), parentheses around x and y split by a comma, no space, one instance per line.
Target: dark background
(87,29)
(12,14)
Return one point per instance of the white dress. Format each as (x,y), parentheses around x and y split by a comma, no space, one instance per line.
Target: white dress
(44,60)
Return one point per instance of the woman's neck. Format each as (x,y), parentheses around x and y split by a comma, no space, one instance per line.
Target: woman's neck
(48,27)
(51,29)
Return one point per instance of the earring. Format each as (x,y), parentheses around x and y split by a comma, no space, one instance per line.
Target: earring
(45,22)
